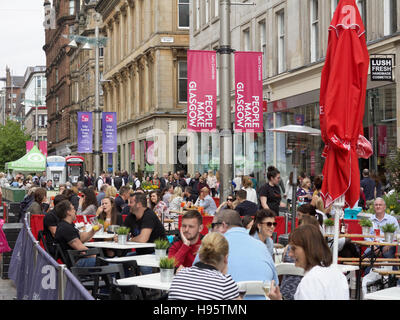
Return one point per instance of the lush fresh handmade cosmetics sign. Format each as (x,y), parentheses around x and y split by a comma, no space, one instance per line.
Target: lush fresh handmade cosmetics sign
(202,91)
(248,89)
(85,132)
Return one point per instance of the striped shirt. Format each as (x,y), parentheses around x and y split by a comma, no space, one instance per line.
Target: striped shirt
(202,282)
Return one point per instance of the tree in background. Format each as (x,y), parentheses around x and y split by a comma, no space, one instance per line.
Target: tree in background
(12,142)
(392,167)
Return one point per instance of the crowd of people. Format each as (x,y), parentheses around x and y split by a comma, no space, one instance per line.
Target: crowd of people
(239,246)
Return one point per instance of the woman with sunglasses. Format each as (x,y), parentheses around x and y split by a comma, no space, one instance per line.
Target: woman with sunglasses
(263,227)
(228,204)
(87,202)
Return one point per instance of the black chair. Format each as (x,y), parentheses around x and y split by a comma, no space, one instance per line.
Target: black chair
(118,292)
(75,255)
(131,268)
(59,254)
(98,273)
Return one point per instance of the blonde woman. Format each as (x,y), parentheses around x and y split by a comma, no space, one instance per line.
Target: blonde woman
(111,192)
(251,192)
(304,194)
(212,182)
(176,200)
(209,272)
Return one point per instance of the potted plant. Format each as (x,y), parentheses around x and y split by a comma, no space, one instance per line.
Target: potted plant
(167,269)
(366,225)
(329,226)
(122,234)
(389,229)
(161,248)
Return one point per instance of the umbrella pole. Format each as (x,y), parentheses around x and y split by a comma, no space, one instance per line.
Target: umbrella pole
(338,210)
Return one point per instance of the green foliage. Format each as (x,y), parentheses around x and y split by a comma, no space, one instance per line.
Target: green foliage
(12,142)
(329,222)
(167,263)
(365,223)
(389,228)
(161,244)
(392,203)
(393,168)
(123,231)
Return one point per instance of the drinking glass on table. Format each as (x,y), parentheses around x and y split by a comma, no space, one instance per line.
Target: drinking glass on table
(94,221)
(266,288)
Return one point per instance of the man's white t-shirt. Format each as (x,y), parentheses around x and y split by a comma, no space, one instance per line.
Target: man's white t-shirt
(323,283)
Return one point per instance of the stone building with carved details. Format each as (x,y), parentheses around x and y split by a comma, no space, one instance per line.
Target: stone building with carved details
(58,99)
(145,76)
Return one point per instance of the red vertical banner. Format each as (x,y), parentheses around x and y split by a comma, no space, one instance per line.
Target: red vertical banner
(29,145)
(43,147)
(133,151)
(201,91)
(382,141)
(248,92)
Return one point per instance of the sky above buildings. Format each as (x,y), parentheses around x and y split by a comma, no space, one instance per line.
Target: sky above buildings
(21,35)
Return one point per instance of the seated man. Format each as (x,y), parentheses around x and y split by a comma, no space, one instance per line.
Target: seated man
(245,207)
(102,194)
(249,258)
(379,219)
(69,237)
(206,201)
(186,245)
(189,196)
(143,223)
(50,222)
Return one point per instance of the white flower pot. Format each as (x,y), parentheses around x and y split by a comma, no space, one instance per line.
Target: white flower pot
(329,229)
(366,230)
(166,275)
(122,238)
(389,236)
(160,253)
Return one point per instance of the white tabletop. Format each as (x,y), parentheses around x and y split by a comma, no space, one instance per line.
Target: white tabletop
(116,245)
(144,260)
(103,235)
(392,293)
(346,268)
(150,281)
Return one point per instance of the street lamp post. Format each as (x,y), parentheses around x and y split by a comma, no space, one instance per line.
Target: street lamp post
(96,42)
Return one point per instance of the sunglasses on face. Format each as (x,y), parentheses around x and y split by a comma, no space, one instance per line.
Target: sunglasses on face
(229,199)
(213,224)
(269,224)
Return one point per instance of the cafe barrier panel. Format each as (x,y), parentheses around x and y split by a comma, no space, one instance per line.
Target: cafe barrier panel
(37,276)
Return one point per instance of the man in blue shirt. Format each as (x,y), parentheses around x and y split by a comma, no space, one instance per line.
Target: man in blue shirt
(248,259)
(206,201)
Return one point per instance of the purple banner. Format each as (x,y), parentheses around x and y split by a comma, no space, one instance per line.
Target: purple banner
(109,128)
(85,132)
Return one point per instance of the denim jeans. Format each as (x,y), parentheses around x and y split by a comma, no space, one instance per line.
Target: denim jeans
(86,262)
(143,270)
(388,254)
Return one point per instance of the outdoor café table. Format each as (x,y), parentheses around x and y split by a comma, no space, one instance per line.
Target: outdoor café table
(392,293)
(371,259)
(103,235)
(145,260)
(116,245)
(149,281)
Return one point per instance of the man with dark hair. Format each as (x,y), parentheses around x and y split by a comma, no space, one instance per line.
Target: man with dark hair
(122,200)
(188,195)
(368,185)
(117,180)
(143,222)
(68,236)
(245,207)
(186,245)
(50,222)
(101,195)
(49,185)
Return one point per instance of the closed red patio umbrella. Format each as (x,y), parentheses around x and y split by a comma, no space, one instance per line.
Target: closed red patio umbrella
(342,105)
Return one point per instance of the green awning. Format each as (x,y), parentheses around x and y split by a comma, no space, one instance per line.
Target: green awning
(33,161)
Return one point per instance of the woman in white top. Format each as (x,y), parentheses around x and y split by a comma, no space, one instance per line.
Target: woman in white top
(212,182)
(322,280)
(251,192)
(176,200)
